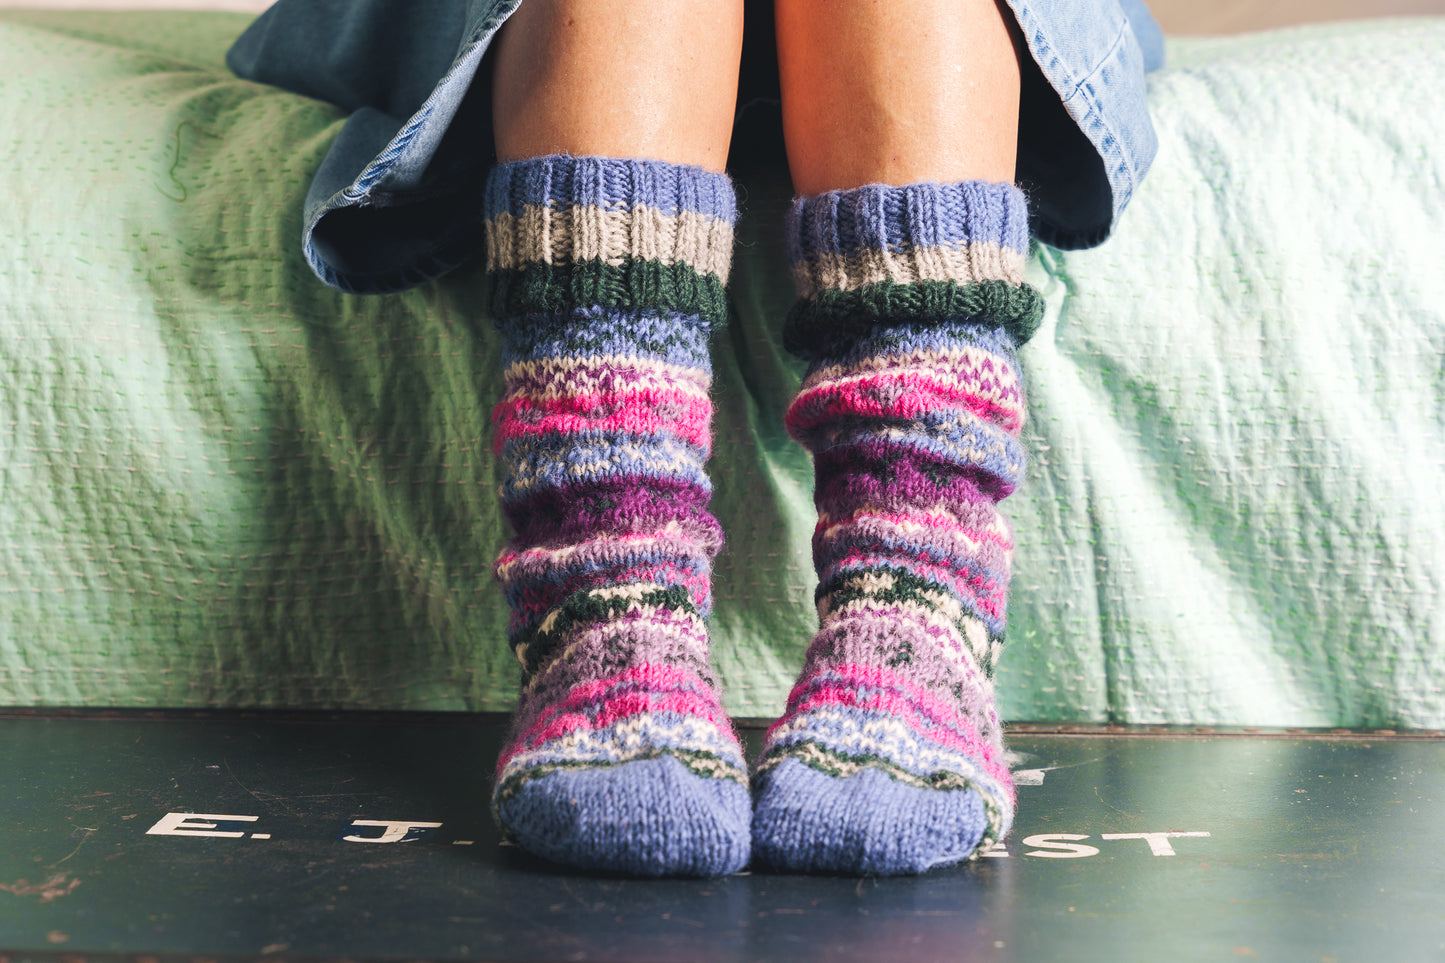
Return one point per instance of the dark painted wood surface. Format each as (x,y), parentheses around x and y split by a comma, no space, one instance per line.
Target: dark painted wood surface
(176,834)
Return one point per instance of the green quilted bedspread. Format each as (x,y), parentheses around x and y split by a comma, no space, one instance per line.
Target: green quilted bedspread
(223,484)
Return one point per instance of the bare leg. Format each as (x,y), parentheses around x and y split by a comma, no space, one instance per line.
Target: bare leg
(903,116)
(619,78)
(897,91)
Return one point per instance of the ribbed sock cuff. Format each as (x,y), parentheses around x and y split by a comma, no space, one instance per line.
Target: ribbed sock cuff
(922,253)
(569,231)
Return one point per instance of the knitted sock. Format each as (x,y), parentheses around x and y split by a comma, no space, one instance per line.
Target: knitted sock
(889,758)
(606,277)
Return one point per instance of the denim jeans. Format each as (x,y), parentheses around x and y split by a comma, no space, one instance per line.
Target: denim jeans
(397,199)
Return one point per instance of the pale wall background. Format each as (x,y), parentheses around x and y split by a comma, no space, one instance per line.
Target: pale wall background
(1176,16)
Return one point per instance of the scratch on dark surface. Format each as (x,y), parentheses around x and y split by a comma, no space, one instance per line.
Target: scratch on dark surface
(49,891)
(264,798)
(232,773)
(1109,804)
(87,830)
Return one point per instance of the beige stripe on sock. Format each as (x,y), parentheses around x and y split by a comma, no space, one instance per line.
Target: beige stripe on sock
(568,235)
(980,261)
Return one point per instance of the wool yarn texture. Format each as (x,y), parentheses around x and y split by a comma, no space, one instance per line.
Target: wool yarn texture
(605,279)
(889,758)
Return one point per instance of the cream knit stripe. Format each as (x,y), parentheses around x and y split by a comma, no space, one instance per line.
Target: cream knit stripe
(551,379)
(984,534)
(544,234)
(978,261)
(968,363)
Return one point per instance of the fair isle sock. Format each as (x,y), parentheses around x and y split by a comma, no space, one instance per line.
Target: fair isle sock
(889,758)
(606,277)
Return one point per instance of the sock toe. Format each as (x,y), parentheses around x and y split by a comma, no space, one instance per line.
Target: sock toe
(864,823)
(649,817)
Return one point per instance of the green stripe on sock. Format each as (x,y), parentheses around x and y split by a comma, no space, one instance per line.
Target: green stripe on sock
(907,587)
(834,317)
(536,647)
(636,286)
(708,765)
(832,762)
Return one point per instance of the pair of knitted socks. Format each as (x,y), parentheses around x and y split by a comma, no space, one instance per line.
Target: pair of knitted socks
(607,277)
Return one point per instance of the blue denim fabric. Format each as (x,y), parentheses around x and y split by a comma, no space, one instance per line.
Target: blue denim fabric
(397,200)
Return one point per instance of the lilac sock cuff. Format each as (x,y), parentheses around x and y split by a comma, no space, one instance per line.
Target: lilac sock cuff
(908,226)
